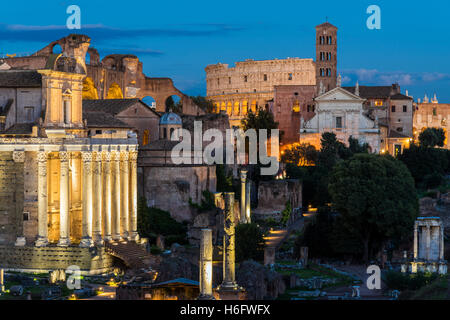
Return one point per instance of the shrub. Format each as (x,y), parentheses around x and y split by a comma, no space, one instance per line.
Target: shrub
(249,242)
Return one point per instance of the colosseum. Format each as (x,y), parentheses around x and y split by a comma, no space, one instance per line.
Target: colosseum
(251,84)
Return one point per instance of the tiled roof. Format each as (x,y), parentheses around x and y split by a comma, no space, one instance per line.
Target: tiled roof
(326,24)
(19,128)
(400,96)
(112,106)
(20,78)
(374,92)
(100,119)
(160,145)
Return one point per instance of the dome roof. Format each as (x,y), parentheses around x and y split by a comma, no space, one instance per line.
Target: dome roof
(170,118)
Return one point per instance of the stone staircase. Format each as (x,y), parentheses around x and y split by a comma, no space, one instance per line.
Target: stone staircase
(133,255)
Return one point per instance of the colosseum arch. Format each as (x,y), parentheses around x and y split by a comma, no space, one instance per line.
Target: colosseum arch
(114,92)
(89,90)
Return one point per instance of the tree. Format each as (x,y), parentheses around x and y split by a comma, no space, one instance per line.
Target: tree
(249,242)
(203,103)
(262,119)
(375,197)
(426,164)
(432,137)
(154,221)
(301,155)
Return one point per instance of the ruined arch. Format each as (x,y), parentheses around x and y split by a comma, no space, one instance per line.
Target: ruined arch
(162,88)
(174,103)
(150,101)
(56,48)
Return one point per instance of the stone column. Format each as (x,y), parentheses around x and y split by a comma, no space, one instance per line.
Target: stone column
(229,281)
(86,229)
(2,280)
(441,242)
(416,241)
(205,277)
(64,226)
(42,239)
(428,242)
(248,217)
(115,181)
(124,195)
(107,205)
(134,236)
(97,199)
(243,176)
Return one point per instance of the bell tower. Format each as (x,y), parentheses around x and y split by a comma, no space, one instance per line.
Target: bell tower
(326,56)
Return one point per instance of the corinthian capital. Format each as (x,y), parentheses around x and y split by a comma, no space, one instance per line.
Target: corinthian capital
(64,156)
(18,156)
(86,156)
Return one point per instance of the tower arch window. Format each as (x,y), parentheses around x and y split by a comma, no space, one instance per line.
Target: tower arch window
(290,76)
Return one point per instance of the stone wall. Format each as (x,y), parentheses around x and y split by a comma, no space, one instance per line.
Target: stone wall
(170,187)
(44,259)
(11,198)
(291,103)
(273,195)
(432,115)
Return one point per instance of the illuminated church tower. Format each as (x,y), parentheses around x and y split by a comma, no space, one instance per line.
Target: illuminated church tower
(326,56)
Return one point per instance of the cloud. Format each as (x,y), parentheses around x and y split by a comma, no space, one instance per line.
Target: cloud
(102,33)
(375,77)
(134,50)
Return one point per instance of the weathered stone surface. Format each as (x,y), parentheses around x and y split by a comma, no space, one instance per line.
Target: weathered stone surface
(273,195)
(259,282)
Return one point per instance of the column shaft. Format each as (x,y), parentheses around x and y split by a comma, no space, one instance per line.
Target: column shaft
(64,225)
(428,247)
(115,175)
(42,239)
(124,195)
(229,280)
(133,194)
(97,199)
(416,239)
(107,205)
(86,229)
(243,177)
(205,277)
(248,218)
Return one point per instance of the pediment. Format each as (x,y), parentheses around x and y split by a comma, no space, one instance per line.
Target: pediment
(339,94)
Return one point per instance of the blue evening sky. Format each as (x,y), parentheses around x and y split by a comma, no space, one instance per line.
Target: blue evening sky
(177,39)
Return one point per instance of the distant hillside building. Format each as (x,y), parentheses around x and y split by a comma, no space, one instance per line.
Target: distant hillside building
(432,115)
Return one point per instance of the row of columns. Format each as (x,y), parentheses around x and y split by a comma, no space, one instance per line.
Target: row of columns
(114,169)
(426,239)
(237,110)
